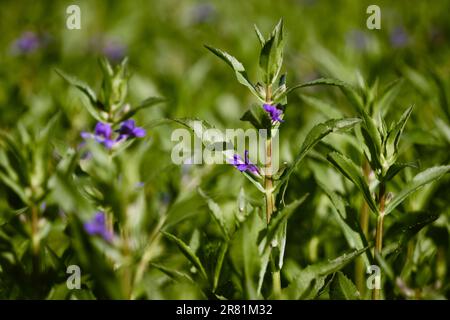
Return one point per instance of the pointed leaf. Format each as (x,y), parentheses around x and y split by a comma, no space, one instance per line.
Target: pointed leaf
(346,88)
(80,85)
(259,35)
(348,168)
(217,214)
(218,269)
(348,221)
(271,56)
(149,102)
(395,133)
(342,288)
(238,68)
(188,253)
(421,179)
(397,167)
(317,133)
(309,280)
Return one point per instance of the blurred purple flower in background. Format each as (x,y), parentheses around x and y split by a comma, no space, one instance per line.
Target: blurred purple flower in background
(399,37)
(244,165)
(357,39)
(128,129)
(203,13)
(97,227)
(274,112)
(28,42)
(114,50)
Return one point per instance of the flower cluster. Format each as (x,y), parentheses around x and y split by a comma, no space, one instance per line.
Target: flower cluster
(97,226)
(103,133)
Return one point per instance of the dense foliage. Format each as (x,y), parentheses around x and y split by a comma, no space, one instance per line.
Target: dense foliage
(87,178)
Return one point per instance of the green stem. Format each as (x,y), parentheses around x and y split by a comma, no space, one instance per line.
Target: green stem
(270,203)
(376,293)
(34,229)
(360,272)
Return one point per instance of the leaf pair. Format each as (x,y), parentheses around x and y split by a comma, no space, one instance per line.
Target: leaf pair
(349,169)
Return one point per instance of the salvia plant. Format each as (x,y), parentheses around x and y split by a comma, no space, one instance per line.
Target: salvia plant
(110,203)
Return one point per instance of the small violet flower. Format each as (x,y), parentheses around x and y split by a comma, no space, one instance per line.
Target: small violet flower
(97,227)
(274,112)
(399,37)
(102,134)
(115,51)
(244,165)
(128,129)
(27,43)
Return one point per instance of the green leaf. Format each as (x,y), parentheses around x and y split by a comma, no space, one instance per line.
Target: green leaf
(271,56)
(82,86)
(342,288)
(307,283)
(421,179)
(188,253)
(407,226)
(149,102)
(277,231)
(259,35)
(397,167)
(248,261)
(444,129)
(282,216)
(371,148)
(254,182)
(199,127)
(349,169)
(173,274)
(217,214)
(218,269)
(226,147)
(238,68)
(395,133)
(387,96)
(258,117)
(346,88)
(324,107)
(348,221)
(317,133)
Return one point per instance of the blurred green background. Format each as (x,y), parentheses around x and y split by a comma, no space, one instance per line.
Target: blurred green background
(164,41)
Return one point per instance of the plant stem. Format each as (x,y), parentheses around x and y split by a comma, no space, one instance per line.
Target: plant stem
(276,281)
(34,229)
(360,271)
(268,183)
(270,203)
(376,293)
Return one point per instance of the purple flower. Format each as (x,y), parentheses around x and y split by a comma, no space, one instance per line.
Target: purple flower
(244,165)
(97,227)
(357,39)
(274,112)
(128,129)
(27,43)
(114,51)
(203,13)
(102,134)
(399,38)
